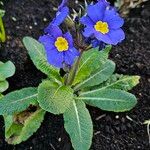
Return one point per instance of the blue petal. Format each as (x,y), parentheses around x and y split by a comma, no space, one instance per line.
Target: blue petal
(116,36)
(55,58)
(53,31)
(47,41)
(68,37)
(96,12)
(63,3)
(87,21)
(74,51)
(60,16)
(70,56)
(113,19)
(113,37)
(88,31)
(103,37)
(105,2)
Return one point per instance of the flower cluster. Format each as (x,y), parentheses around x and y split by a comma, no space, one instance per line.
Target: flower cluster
(102,26)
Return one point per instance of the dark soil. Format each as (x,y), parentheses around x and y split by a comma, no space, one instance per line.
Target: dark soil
(123,131)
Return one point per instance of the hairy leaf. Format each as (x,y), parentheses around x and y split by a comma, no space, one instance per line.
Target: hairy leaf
(53,98)
(18,101)
(79,126)
(8,123)
(17,133)
(7,69)
(2,78)
(123,82)
(3,86)
(99,76)
(11,128)
(109,99)
(38,56)
(91,61)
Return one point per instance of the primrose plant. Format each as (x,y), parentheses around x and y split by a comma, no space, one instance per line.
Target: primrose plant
(78,71)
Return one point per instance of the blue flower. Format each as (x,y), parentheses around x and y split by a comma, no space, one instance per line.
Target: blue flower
(62,13)
(59,47)
(104,23)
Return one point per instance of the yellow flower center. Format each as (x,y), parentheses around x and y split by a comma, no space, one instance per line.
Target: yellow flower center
(101,27)
(61,44)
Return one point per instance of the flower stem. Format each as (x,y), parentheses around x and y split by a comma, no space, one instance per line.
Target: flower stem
(73,71)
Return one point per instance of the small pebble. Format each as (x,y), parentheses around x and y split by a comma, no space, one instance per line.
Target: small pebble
(76,1)
(140,94)
(100,117)
(131,40)
(44,19)
(117,117)
(17,27)
(35,23)
(14,19)
(30,27)
(96,133)
(139,147)
(118,56)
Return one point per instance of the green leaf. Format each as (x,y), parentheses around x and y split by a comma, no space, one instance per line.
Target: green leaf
(13,131)
(99,76)
(90,61)
(18,101)
(2,78)
(123,82)
(78,124)
(8,123)
(106,50)
(7,69)
(21,132)
(53,98)
(38,56)
(1,96)
(11,128)
(109,99)
(3,86)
